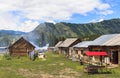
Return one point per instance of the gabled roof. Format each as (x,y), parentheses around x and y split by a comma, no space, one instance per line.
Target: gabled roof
(68,42)
(103,39)
(20,42)
(58,44)
(83,44)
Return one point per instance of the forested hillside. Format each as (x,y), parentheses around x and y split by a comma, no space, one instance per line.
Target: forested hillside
(52,33)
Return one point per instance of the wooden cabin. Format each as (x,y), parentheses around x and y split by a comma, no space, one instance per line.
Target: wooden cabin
(66,47)
(110,44)
(21,47)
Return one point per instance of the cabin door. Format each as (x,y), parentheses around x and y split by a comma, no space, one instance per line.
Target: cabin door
(115,57)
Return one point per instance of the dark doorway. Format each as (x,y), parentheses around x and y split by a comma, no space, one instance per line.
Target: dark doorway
(115,57)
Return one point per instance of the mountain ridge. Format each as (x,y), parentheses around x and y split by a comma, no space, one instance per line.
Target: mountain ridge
(51,33)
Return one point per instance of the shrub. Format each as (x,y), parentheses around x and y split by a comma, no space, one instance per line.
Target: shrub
(7,57)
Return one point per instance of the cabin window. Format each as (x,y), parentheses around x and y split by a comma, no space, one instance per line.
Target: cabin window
(76,51)
(82,51)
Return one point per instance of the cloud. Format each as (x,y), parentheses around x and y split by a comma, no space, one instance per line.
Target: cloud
(10,22)
(51,21)
(100,20)
(106,12)
(97,20)
(15,11)
(28,26)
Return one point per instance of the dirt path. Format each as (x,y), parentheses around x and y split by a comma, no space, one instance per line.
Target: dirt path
(66,73)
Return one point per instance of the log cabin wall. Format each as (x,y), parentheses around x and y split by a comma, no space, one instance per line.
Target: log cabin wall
(21,48)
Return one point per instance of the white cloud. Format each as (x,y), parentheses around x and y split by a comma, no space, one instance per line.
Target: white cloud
(9,22)
(51,21)
(97,20)
(106,12)
(28,25)
(100,20)
(45,10)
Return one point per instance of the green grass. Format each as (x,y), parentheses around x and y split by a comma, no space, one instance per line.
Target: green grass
(55,66)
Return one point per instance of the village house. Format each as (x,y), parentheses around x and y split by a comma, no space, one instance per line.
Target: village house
(106,43)
(21,47)
(66,47)
(81,48)
(110,44)
(57,46)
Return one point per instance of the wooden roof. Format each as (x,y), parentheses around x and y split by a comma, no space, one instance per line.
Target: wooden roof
(58,44)
(22,43)
(68,42)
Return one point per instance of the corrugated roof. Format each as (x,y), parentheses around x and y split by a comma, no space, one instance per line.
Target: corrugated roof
(114,41)
(68,42)
(58,44)
(83,44)
(103,39)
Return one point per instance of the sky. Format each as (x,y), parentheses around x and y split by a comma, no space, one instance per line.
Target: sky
(25,15)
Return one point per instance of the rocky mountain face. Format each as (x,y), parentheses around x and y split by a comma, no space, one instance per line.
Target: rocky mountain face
(52,33)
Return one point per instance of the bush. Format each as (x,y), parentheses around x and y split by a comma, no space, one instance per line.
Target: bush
(7,57)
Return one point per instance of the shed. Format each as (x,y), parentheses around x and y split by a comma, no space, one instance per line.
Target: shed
(21,47)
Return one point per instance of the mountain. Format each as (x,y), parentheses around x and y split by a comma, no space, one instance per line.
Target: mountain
(10,32)
(7,37)
(52,33)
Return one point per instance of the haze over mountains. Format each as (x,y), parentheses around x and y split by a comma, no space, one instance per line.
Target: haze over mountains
(51,33)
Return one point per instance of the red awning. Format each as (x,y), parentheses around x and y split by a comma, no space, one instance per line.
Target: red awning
(96,53)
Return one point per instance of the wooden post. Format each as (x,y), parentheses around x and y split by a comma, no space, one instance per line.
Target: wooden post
(119,55)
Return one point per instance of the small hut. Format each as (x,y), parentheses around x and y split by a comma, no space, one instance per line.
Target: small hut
(21,47)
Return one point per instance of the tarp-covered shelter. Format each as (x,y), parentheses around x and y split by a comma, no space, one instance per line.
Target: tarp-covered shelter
(96,53)
(92,67)
(21,47)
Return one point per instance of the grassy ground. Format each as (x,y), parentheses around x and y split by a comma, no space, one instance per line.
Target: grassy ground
(55,66)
